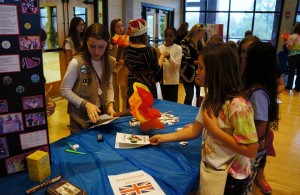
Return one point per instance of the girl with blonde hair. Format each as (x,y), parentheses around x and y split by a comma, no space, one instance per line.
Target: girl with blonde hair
(191,45)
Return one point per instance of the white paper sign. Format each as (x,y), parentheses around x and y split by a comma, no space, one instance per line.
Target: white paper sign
(124,140)
(33,139)
(9,63)
(9,20)
(138,182)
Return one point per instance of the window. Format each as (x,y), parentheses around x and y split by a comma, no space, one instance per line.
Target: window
(260,16)
(80,12)
(49,24)
(298,13)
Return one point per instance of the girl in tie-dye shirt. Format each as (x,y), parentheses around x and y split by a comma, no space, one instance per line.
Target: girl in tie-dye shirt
(225,118)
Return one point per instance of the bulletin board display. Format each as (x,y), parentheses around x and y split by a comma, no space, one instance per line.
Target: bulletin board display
(23,123)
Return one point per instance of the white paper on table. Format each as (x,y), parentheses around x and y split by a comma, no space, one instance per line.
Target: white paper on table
(103,120)
(138,182)
(124,140)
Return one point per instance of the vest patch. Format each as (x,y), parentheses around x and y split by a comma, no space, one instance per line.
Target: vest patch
(86,81)
(84,69)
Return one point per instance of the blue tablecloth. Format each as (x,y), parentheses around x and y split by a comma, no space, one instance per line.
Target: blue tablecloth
(174,167)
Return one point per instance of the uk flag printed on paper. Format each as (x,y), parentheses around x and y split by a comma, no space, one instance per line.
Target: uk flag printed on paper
(137,188)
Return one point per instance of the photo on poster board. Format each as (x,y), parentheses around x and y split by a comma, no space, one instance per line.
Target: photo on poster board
(18,163)
(3,106)
(30,7)
(15,164)
(29,42)
(35,119)
(3,148)
(33,139)
(30,62)
(9,63)
(32,102)
(10,123)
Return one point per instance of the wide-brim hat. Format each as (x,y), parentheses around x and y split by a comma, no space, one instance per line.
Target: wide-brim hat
(137,27)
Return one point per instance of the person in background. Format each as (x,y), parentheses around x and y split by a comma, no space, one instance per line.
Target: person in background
(225,119)
(74,39)
(120,88)
(182,31)
(116,27)
(248,32)
(233,46)
(170,59)
(87,84)
(50,103)
(242,53)
(293,45)
(214,39)
(140,59)
(242,50)
(191,45)
(259,78)
(282,56)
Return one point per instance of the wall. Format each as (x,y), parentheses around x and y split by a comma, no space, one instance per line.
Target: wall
(287,23)
(131,9)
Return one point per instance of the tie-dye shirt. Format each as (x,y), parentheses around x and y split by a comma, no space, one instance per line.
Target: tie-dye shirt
(237,119)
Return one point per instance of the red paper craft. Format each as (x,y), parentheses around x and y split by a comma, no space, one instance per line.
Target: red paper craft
(121,40)
(141,102)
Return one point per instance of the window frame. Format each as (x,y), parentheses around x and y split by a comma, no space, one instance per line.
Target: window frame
(276,11)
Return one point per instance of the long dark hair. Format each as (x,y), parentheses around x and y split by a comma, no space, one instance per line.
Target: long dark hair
(183,28)
(98,31)
(296,29)
(222,76)
(261,69)
(73,32)
(247,39)
(112,28)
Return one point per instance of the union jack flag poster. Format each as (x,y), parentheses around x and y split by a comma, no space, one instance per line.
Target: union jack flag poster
(137,188)
(134,183)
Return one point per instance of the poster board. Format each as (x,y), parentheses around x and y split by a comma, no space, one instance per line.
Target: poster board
(23,123)
(214,29)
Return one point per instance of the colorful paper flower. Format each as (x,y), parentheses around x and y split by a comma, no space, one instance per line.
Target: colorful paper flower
(121,40)
(285,36)
(141,102)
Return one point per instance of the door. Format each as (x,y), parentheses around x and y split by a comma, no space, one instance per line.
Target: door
(158,18)
(157,23)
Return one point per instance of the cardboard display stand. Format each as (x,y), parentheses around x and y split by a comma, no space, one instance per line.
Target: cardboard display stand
(23,122)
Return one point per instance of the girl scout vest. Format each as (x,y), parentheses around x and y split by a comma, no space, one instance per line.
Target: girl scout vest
(87,87)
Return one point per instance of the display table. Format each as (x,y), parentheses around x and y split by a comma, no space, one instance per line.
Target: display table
(173,166)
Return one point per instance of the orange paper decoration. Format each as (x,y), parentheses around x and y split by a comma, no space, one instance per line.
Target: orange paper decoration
(285,36)
(141,102)
(121,40)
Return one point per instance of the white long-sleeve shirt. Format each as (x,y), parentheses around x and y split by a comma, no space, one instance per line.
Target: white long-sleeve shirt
(171,65)
(72,76)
